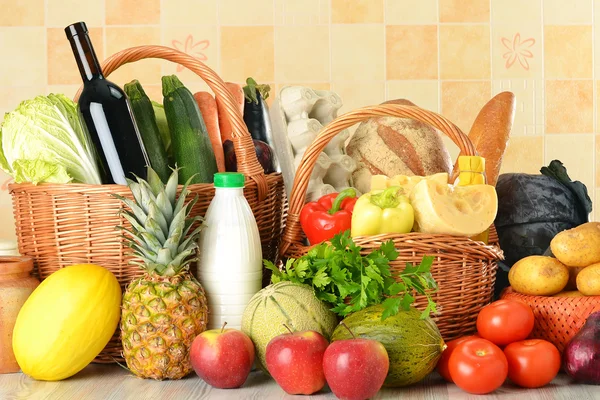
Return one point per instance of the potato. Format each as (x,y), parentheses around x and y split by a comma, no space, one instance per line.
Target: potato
(579,246)
(588,280)
(570,293)
(573,272)
(538,276)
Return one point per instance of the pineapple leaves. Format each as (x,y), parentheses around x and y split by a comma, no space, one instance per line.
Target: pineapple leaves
(138,213)
(147,196)
(135,190)
(132,220)
(156,215)
(163,234)
(150,241)
(191,238)
(164,206)
(172,243)
(144,252)
(155,183)
(179,260)
(171,188)
(178,221)
(153,228)
(164,257)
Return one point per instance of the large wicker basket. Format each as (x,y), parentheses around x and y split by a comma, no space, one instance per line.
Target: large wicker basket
(557,319)
(60,225)
(465,270)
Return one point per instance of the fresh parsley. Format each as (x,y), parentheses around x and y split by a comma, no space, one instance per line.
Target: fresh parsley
(349,281)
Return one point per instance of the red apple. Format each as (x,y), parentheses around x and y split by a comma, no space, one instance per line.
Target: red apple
(222,357)
(295,361)
(355,368)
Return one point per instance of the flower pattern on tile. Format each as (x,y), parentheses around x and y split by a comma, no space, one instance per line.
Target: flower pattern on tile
(192,48)
(518,51)
(4,186)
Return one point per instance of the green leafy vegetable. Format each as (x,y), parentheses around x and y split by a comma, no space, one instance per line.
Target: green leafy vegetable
(251,89)
(340,275)
(557,171)
(43,140)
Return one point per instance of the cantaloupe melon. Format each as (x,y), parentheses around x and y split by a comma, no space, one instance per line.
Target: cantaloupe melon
(284,303)
(66,322)
(414,345)
(453,210)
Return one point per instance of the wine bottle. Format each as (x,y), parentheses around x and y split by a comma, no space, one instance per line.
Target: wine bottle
(106,113)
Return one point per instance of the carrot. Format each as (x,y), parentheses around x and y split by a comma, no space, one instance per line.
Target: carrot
(208,109)
(224,125)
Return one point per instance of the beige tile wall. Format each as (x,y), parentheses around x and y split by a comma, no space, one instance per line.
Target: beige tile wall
(449,56)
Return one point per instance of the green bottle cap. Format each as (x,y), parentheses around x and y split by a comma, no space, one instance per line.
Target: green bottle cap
(229,180)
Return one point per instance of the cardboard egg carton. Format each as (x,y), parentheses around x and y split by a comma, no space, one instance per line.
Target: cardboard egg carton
(297,115)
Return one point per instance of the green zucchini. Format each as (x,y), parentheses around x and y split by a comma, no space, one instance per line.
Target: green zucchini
(146,123)
(163,126)
(192,150)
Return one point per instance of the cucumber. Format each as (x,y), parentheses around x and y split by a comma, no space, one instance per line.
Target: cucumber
(143,113)
(192,150)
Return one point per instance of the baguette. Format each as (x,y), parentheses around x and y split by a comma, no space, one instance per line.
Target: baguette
(490,133)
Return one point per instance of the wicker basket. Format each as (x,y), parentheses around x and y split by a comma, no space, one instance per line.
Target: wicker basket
(465,270)
(557,319)
(60,225)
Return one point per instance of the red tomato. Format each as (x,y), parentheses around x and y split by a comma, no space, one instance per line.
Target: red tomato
(532,363)
(478,366)
(505,321)
(442,365)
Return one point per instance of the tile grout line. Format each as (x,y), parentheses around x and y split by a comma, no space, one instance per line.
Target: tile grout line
(595,113)
(219,41)
(275,25)
(491,42)
(543,88)
(104,45)
(46,88)
(385,71)
(330,19)
(439,62)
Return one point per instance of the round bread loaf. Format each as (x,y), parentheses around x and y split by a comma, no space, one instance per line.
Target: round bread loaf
(396,146)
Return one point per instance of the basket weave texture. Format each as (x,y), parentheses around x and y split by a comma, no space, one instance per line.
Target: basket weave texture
(464,270)
(63,224)
(557,319)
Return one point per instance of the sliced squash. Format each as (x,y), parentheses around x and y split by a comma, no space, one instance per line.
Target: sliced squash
(453,210)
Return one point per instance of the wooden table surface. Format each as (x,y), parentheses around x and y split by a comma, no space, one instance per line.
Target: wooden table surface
(110,382)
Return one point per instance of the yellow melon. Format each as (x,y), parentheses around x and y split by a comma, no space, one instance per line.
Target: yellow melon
(453,210)
(67,321)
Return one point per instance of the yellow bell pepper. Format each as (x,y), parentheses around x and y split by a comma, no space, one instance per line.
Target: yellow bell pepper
(377,212)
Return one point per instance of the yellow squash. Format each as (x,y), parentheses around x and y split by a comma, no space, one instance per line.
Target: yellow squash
(67,321)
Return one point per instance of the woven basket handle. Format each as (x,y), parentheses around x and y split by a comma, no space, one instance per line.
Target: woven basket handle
(247,163)
(293,231)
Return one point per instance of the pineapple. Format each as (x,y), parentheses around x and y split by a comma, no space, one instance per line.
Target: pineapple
(165,309)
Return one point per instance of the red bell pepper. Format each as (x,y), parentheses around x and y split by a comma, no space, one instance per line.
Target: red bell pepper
(332,214)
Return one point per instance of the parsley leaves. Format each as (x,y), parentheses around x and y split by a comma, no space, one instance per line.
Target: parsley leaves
(341,276)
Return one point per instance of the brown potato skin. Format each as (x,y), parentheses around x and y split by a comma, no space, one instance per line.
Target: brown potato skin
(579,246)
(588,280)
(573,272)
(538,276)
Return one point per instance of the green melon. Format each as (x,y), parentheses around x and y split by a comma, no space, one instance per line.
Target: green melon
(414,345)
(284,303)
